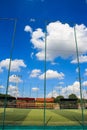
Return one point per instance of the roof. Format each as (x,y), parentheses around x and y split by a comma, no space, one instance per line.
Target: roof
(66,99)
(28,99)
(8,98)
(42,99)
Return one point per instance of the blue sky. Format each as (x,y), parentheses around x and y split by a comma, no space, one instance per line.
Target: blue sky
(26,77)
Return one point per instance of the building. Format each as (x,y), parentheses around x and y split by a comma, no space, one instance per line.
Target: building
(25,102)
(48,103)
(10,101)
(68,104)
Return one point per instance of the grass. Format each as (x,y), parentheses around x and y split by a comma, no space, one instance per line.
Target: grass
(35,117)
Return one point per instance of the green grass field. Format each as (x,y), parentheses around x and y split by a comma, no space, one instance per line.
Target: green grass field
(32,117)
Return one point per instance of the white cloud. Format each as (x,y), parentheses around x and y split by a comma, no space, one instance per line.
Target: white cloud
(52,94)
(59,87)
(32,54)
(1,86)
(15,79)
(54,63)
(60,40)
(84,84)
(61,83)
(15,64)
(13,90)
(82,59)
(84,91)
(50,74)
(74,88)
(38,38)
(32,20)
(66,91)
(35,89)
(35,73)
(84,94)
(28,29)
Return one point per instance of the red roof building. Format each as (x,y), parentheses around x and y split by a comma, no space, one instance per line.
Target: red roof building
(48,100)
(26,99)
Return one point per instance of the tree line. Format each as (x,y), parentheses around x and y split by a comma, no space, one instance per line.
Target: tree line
(71,96)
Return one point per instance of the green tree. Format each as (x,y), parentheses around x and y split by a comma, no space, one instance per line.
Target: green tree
(72,96)
(57,99)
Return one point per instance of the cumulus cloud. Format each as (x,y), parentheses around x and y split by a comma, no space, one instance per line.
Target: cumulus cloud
(60,40)
(52,94)
(15,64)
(74,88)
(38,38)
(84,84)
(28,29)
(13,90)
(35,89)
(82,59)
(50,74)
(1,86)
(35,73)
(66,91)
(59,87)
(15,79)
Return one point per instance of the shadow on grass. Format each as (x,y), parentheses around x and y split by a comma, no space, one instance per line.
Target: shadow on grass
(76,119)
(80,122)
(71,115)
(48,120)
(17,116)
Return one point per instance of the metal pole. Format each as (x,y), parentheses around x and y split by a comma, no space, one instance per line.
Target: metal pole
(45,79)
(30,90)
(11,52)
(79,76)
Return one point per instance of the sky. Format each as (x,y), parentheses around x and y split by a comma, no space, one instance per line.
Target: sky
(36,19)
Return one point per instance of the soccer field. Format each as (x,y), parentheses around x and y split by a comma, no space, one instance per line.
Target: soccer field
(33,117)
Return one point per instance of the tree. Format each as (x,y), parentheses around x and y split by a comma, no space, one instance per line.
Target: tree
(57,99)
(72,96)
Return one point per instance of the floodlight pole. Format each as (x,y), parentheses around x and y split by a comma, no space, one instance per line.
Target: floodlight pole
(11,52)
(30,90)
(18,76)
(45,78)
(23,90)
(79,77)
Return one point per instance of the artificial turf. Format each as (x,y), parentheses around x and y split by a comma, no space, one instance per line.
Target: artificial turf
(35,117)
